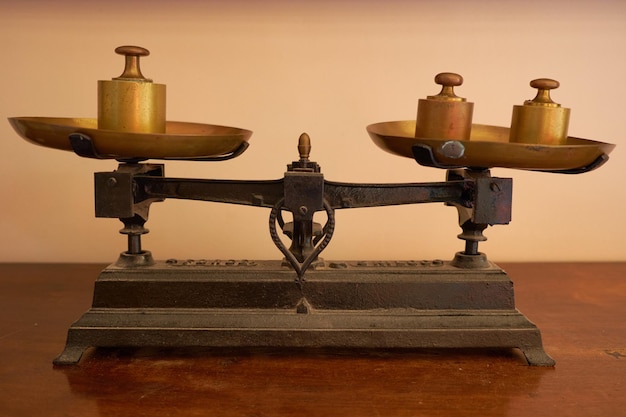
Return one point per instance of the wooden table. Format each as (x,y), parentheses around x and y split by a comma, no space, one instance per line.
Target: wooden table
(579,307)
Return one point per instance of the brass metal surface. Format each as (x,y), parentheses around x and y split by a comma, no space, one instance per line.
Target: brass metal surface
(445,115)
(131,102)
(540,120)
(132,69)
(180,140)
(130,106)
(489,147)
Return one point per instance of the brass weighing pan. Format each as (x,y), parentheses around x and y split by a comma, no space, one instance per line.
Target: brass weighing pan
(181,140)
(489,147)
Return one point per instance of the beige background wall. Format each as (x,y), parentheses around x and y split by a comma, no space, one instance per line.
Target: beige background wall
(329,68)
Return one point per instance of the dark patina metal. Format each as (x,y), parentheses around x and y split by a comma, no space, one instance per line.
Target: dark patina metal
(303,300)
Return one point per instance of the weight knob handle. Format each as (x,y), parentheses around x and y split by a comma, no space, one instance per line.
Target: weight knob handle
(447,81)
(543,86)
(132,71)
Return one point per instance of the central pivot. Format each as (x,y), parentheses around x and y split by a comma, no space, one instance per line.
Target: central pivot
(303,196)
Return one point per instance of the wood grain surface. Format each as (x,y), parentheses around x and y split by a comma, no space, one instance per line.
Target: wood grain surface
(579,307)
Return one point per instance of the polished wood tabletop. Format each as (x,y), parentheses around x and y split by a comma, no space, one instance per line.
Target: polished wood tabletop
(579,307)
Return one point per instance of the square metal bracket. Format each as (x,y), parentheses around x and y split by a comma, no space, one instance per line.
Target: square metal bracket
(493,200)
(114,194)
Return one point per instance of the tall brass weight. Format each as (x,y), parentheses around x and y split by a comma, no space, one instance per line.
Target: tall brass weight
(131,102)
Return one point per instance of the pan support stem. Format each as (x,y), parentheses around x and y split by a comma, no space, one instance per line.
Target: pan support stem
(134,256)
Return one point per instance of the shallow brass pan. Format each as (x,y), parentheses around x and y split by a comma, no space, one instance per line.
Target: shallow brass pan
(489,147)
(181,139)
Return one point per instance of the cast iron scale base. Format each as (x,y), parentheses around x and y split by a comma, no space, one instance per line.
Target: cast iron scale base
(302,301)
(342,304)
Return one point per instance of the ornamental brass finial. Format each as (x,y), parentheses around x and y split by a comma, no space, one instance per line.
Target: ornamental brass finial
(304,147)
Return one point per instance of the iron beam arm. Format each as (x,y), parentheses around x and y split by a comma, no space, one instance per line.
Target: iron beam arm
(344,195)
(338,195)
(253,193)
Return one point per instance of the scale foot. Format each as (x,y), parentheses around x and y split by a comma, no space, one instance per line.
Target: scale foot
(70,356)
(536,356)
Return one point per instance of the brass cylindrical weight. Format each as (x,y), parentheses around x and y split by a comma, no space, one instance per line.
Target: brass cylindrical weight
(444,116)
(541,120)
(131,102)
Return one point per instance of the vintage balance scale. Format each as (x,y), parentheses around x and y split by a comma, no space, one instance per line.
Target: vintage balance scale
(303,300)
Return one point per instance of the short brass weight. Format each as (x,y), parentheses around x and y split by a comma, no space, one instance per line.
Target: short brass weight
(446,115)
(540,120)
(131,102)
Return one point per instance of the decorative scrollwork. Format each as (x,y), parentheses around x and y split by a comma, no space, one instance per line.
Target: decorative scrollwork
(320,242)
